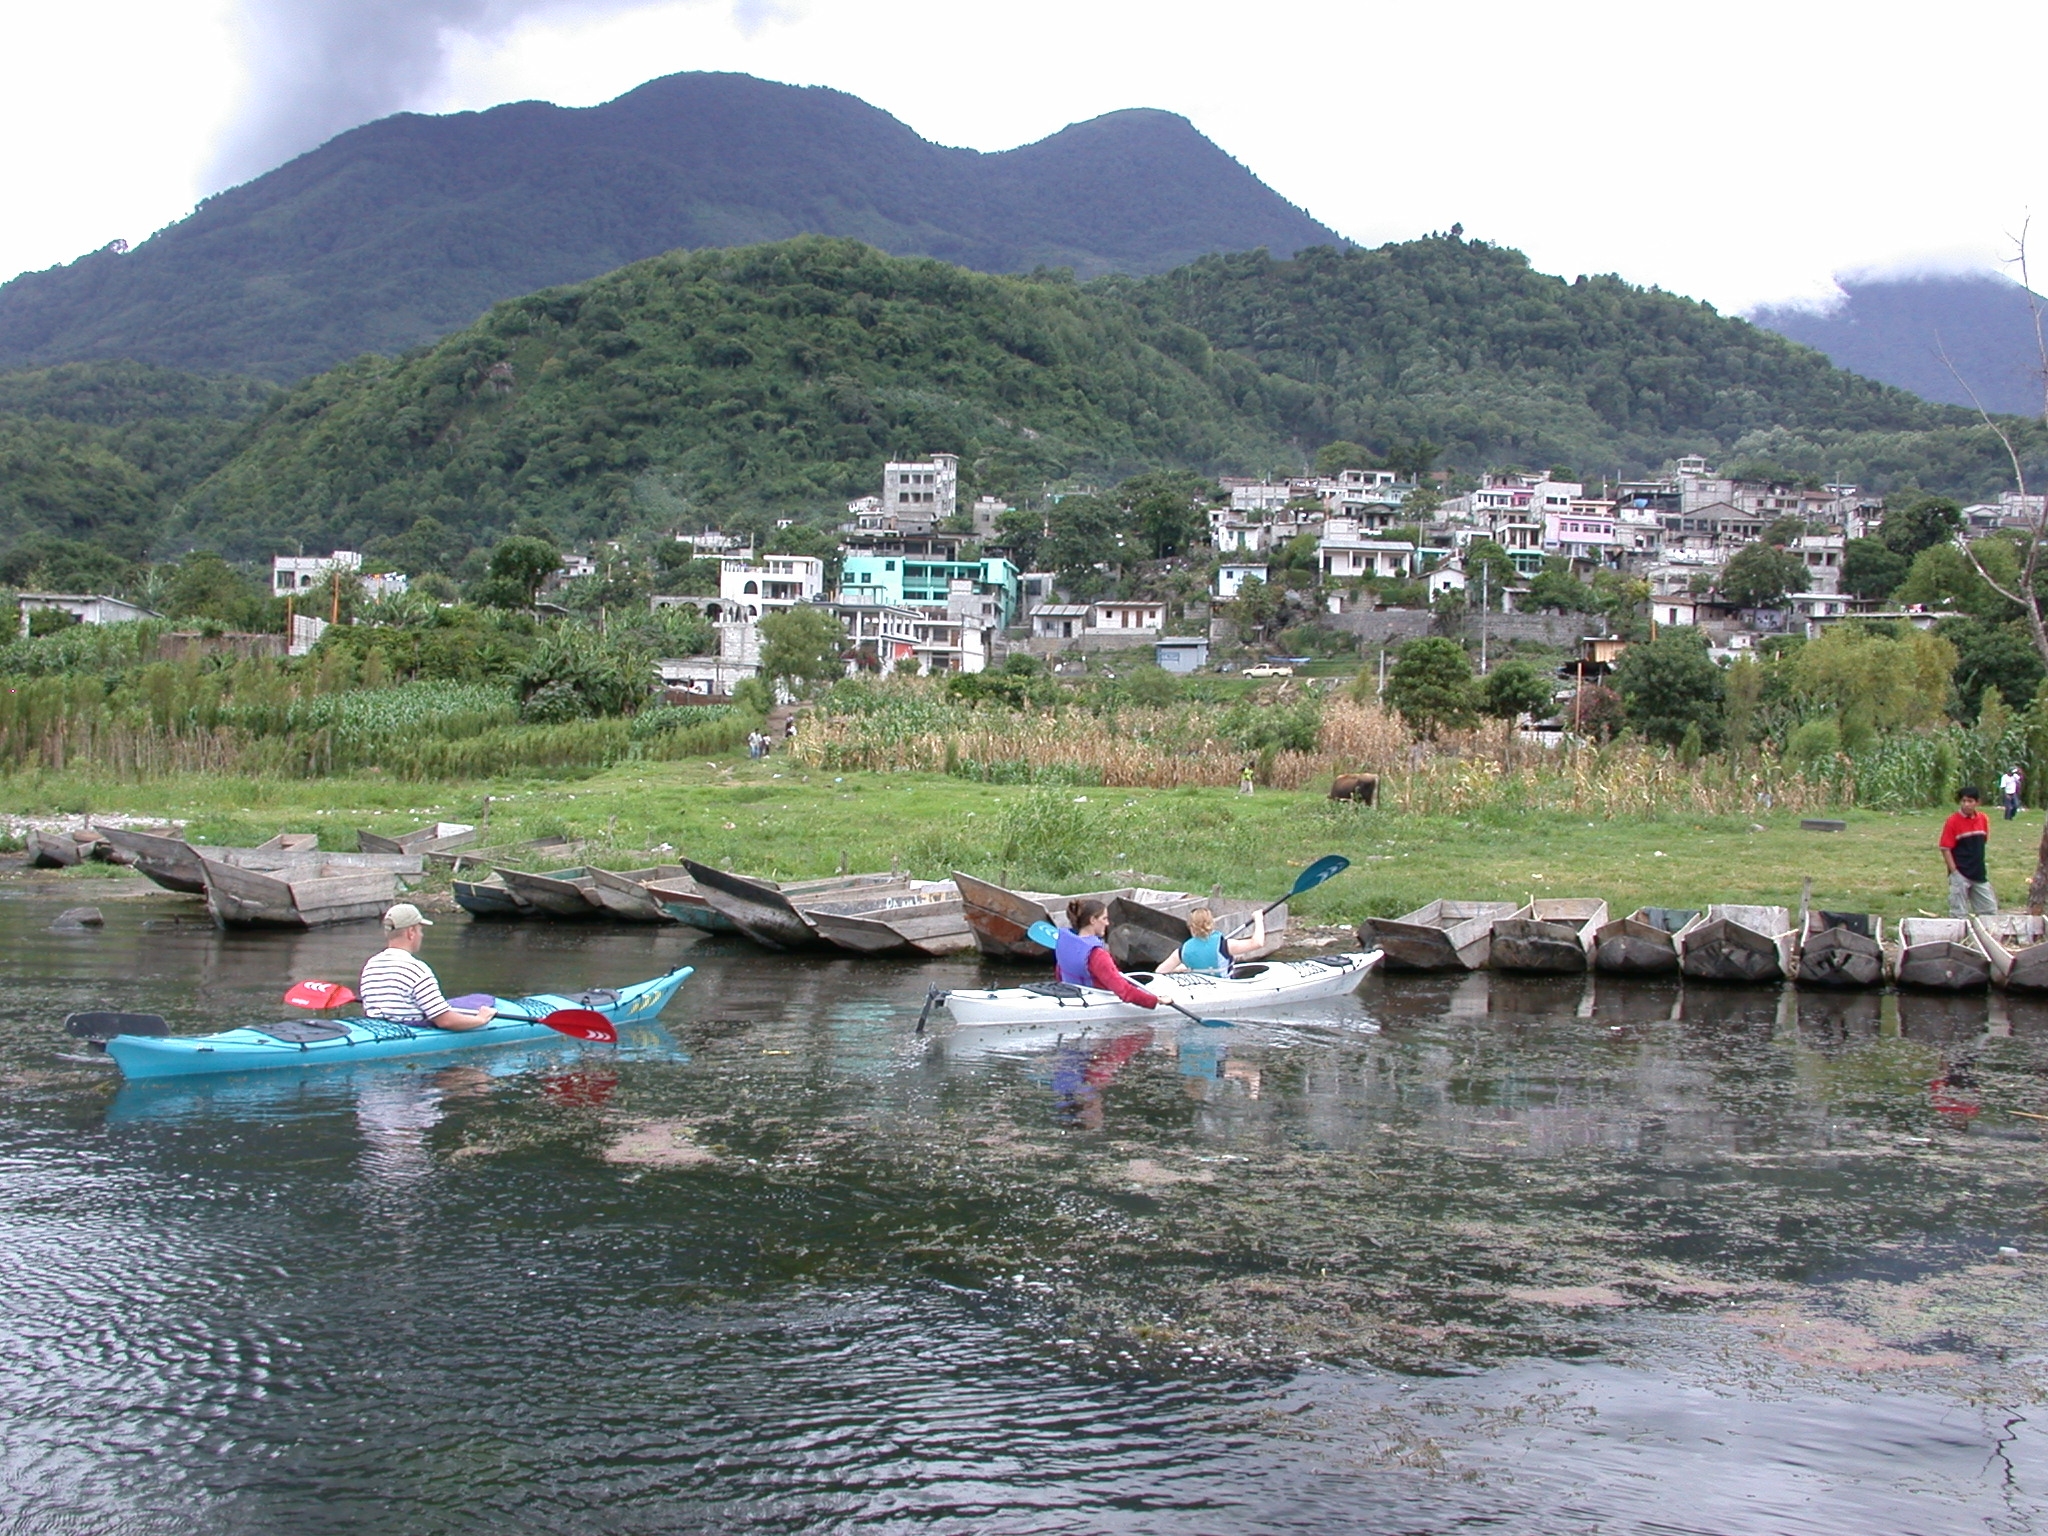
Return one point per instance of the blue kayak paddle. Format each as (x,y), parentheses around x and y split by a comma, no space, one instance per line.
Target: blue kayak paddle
(1045,934)
(1330,864)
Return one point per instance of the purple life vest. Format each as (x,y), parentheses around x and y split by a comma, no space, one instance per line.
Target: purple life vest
(1072,953)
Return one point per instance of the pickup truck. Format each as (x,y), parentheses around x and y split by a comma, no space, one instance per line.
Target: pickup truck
(1267,669)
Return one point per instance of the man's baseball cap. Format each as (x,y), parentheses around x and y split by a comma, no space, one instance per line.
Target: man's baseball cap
(405,915)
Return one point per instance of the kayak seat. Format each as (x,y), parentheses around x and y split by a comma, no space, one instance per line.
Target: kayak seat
(1054,989)
(301,1031)
(598,997)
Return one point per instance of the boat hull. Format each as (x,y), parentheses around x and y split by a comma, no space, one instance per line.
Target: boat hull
(562,894)
(489,899)
(169,861)
(624,894)
(1272,984)
(2017,947)
(928,922)
(1940,954)
(1645,943)
(1443,936)
(683,901)
(1739,944)
(1842,949)
(253,1050)
(308,896)
(1548,938)
(1000,919)
(766,912)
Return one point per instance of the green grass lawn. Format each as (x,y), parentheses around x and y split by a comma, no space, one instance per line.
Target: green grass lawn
(772,818)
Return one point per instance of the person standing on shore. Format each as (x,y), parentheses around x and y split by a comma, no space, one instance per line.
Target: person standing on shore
(2009,790)
(1963,839)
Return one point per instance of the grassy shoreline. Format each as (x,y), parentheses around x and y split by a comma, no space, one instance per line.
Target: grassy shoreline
(774,818)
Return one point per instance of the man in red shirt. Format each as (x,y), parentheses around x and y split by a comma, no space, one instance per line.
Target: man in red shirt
(1963,837)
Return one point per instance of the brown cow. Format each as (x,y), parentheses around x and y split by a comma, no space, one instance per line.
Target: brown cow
(1362,787)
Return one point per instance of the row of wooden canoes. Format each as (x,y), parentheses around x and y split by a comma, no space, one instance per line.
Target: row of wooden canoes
(287,882)
(1735,943)
(878,913)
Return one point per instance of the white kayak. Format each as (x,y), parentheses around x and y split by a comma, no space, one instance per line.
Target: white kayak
(1255,988)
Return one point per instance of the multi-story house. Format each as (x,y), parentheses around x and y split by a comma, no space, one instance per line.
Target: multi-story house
(750,588)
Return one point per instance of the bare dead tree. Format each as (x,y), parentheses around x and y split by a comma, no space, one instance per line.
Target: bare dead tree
(2028,597)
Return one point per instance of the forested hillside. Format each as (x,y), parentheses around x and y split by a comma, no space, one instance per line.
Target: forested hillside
(778,378)
(398,232)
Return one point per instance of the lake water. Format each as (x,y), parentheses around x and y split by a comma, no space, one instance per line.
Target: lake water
(1529,1257)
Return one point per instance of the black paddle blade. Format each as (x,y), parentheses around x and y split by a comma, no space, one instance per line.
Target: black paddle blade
(931,996)
(102,1027)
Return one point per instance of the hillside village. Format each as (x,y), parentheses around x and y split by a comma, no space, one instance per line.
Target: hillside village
(1341,563)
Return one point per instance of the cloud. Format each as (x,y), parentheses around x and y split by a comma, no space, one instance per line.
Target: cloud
(319,67)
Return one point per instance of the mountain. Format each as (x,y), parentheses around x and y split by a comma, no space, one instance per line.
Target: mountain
(1899,329)
(774,380)
(398,232)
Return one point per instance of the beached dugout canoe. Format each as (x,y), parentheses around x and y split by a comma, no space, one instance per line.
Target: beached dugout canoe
(562,894)
(307,895)
(1145,926)
(2017,947)
(1842,949)
(765,911)
(1941,953)
(624,895)
(1642,944)
(62,850)
(1738,943)
(436,837)
(1553,935)
(1443,936)
(490,898)
(682,899)
(928,919)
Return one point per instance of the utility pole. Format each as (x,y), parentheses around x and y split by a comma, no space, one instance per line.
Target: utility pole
(1484,572)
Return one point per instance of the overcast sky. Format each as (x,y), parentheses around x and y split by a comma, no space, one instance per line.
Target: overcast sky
(1741,152)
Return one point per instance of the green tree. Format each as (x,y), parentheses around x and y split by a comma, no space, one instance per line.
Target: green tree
(1556,587)
(1919,521)
(1783,530)
(1942,577)
(1991,656)
(428,546)
(1334,458)
(1411,459)
(207,587)
(802,646)
(1430,685)
(519,565)
(1880,682)
(1165,509)
(1256,609)
(1870,569)
(1086,531)
(1670,683)
(1515,688)
(1758,576)
(1488,573)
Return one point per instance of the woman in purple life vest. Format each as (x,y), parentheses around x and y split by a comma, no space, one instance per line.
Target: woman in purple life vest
(1085,961)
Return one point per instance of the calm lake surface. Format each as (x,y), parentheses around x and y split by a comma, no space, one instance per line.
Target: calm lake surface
(1528,1257)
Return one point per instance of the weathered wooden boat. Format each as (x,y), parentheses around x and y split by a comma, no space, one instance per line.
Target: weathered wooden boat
(1000,919)
(1642,944)
(541,850)
(2017,947)
(1553,935)
(490,898)
(1941,953)
(1145,926)
(1841,949)
(62,850)
(1738,943)
(174,863)
(766,911)
(623,893)
(308,894)
(681,898)
(436,837)
(1443,936)
(928,919)
(563,894)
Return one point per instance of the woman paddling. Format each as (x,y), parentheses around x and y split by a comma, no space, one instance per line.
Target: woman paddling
(1085,961)
(1207,952)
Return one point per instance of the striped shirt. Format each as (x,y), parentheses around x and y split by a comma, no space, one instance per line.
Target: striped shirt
(399,988)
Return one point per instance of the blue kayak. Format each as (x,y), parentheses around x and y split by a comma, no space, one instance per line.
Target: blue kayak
(317,1042)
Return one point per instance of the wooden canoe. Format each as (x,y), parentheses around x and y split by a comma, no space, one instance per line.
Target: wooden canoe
(1738,943)
(490,898)
(1644,943)
(1941,953)
(437,837)
(1842,949)
(1443,936)
(624,894)
(169,861)
(304,896)
(928,919)
(999,918)
(682,900)
(2017,947)
(62,850)
(541,850)
(1553,935)
(765,911)
(558,893)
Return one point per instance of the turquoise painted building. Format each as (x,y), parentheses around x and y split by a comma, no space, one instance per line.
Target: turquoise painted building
(909,581)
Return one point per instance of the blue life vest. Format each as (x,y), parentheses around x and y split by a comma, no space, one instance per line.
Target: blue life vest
(1071,954)
(1206,956)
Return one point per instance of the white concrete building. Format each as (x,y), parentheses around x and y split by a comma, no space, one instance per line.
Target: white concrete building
(1059,621)
(1583,531)
(86,607)
(1231,577)
(923,490)
(1822,554)
(987,511)
(292,574)
(775,581)
(1347,556)
(1128,616)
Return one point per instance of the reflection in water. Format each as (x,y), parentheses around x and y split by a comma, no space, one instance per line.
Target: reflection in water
(1541,1254)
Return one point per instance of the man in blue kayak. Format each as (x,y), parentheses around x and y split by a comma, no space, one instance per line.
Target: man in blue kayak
(399,987)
